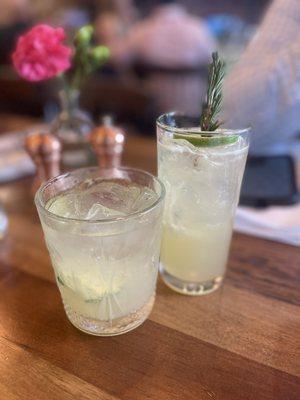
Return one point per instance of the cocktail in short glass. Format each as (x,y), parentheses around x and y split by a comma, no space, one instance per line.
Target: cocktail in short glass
(202,173)
(103,231)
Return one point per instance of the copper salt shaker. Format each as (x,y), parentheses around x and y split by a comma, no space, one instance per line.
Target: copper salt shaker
(45,151)
(107,141)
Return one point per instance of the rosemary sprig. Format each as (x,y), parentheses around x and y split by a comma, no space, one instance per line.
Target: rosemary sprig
(212,104)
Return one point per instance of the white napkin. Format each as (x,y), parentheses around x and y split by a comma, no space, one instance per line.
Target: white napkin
(281,224)
(14,161)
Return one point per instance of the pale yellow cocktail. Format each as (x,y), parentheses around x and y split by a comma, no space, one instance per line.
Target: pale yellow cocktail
(203,180)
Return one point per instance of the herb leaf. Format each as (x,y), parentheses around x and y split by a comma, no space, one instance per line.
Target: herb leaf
(212,105)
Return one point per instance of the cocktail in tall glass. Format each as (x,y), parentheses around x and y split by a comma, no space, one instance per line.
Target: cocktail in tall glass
(202,173)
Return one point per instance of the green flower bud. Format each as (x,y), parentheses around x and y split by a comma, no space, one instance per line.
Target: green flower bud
(99,54)
(84,35)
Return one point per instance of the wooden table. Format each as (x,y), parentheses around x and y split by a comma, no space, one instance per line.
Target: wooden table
(241,342)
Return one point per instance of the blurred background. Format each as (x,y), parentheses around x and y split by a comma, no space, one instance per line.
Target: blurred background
(146,75)
(159,56)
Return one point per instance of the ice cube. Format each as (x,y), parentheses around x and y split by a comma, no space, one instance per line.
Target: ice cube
(102,199)
(98,211)
(144,200)
(114,195)
(64,205)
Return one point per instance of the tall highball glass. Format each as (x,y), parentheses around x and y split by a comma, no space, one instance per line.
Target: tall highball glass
(202,173)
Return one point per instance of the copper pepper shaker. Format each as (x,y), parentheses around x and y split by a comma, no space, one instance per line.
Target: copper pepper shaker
(107,141)
(45,151)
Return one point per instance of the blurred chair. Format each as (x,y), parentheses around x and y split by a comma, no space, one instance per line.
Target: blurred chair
(20,96)
(8,38)
(174,89)
(127,102)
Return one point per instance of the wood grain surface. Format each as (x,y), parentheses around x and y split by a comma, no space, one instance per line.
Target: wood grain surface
(241,342)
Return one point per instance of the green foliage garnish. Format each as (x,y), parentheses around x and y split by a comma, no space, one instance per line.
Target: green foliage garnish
(212,104)
(211,107)
(87,58)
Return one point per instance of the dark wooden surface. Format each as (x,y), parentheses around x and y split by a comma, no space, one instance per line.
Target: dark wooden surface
(241,342)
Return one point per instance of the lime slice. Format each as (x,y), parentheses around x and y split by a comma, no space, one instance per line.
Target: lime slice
(200,140)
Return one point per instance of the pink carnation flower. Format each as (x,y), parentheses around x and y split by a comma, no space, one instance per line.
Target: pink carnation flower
(40,53)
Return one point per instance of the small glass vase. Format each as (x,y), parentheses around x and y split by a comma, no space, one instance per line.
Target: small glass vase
(72,126)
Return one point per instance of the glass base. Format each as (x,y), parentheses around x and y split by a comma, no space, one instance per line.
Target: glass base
(190,288)
(114,327)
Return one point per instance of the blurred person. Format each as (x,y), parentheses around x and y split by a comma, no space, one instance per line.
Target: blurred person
(169,37)
(263,89)
(113,21)
(126,10)
(109,28)
(14,12)
(168,41)
(70,14)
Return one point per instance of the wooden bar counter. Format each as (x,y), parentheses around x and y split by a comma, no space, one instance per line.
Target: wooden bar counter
(241,342)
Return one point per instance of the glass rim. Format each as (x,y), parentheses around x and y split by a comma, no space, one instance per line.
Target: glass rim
(194,129)
(41,205)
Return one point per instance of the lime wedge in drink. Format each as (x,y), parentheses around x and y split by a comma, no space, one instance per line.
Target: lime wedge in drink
(202,140)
